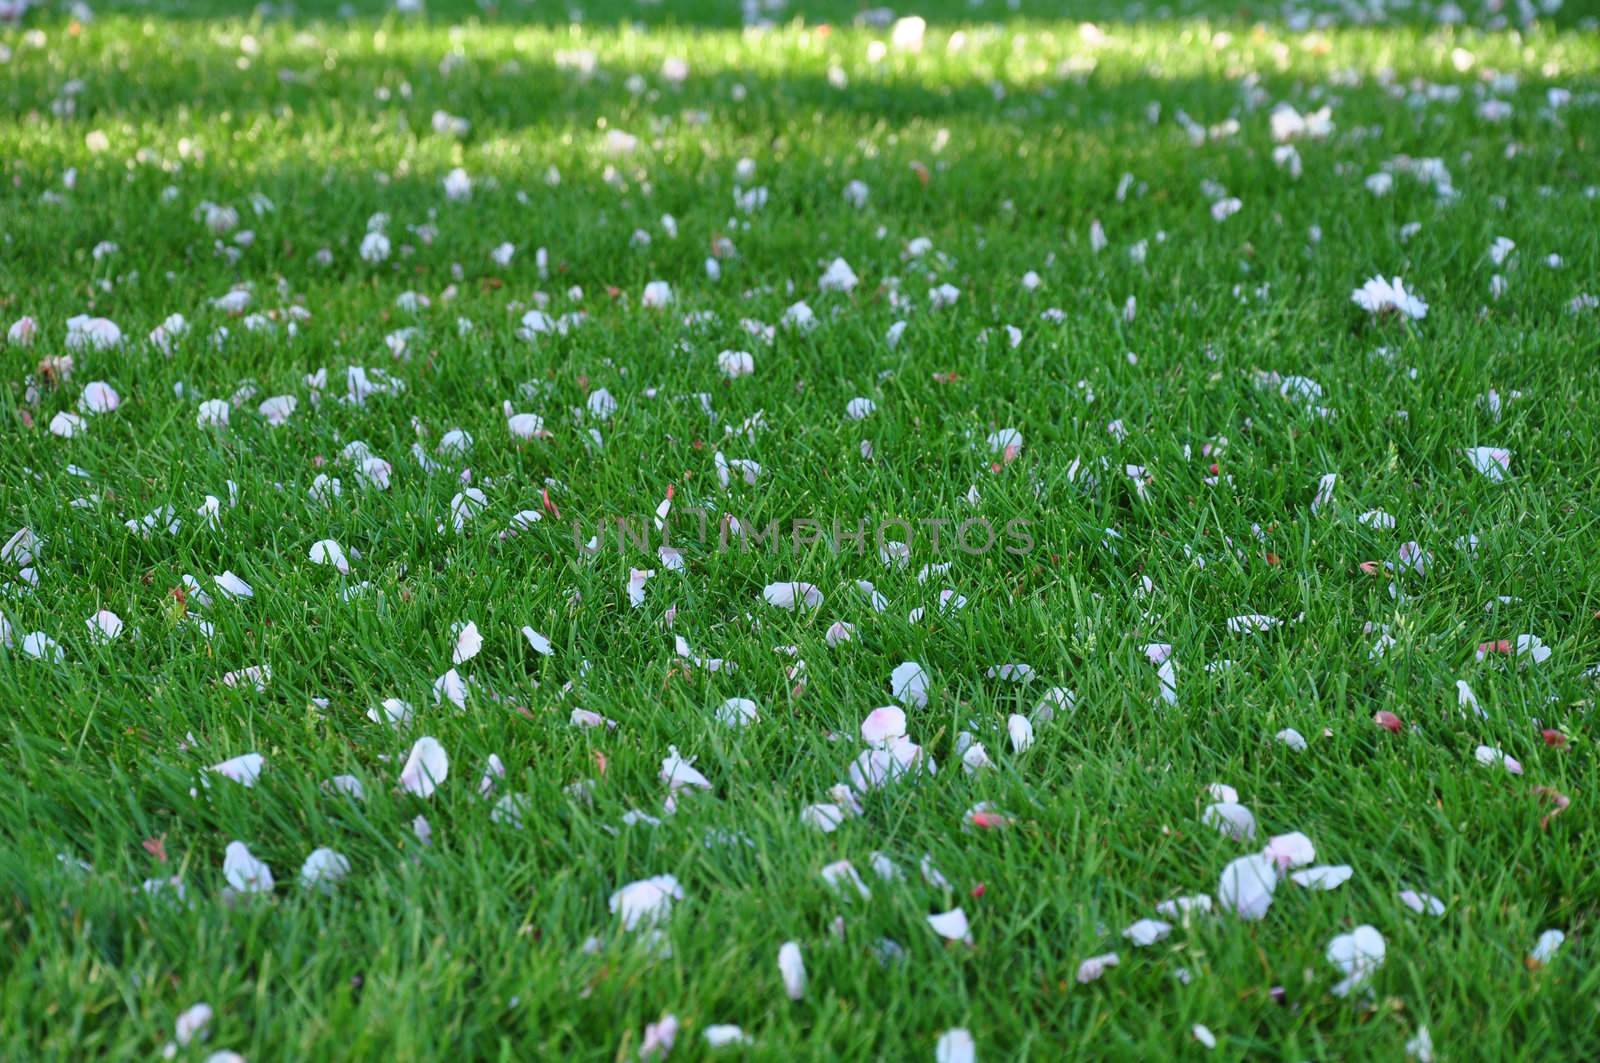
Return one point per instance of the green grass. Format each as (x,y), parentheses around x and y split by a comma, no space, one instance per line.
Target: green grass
(1024,127)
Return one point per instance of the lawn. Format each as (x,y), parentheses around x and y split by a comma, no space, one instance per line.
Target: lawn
(1109,561)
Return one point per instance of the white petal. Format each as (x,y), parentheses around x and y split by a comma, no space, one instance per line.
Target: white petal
(329,552)
(1290,850)
(323,868)
(468,643)
(1095,966)
(1329,877)
(244,872)
(1247,885)
(426,767)
(793,969)
(792,595)
(1234,820)
(955,1046)
(908,684)
(646,901)
(951,925)
(883,725)
(1357,955)
(1147,932)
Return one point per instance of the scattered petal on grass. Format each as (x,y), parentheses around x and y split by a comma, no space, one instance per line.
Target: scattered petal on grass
(328,552)
(951,925)
(323,869)
(1422,903)
(723,1036)
(1147,932)
(1091,969)
(955,1046)
(1357,955)
(1323,878)
(909,685)
(1545,949)
(244,872)
(427,766)
(1233,820)
(1247,886)
(646,901)
(792,967)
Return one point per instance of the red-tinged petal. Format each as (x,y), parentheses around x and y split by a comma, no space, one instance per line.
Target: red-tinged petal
(1554,738)
(1387,720)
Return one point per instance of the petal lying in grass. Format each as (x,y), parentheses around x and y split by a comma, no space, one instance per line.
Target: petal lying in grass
(467,643)
(1422,903)
(537,642)
(329,552)
(1147,932)
(1180,907)
(323,869)
(1489,756)
(1233,820)
(1247,885)
(658,1038)
(722,1035)
(792,968)
(1545,949)
(348,785)
(1329,877)
(955,1046)
(738,712)
(1493,463)
(1290,850)
(826,817)
(952,925)
(98,397)
(1357,955)
(1091,969)
(679,772)
(646,902)
(191,1024)
(883,725)
(233,587)
(244,872)
(426,767)
(1020,732)
(841,875)
(394,712)
(1381,297)
(512,810)
(244,769)
(67,425)
(105,626)
(792,595)
(637,578)
(908,684)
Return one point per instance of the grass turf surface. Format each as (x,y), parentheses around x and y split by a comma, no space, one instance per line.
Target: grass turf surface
(1172,349)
